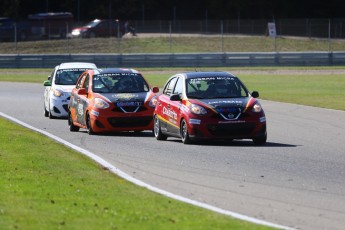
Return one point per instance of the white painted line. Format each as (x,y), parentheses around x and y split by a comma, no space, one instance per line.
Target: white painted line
(127,177)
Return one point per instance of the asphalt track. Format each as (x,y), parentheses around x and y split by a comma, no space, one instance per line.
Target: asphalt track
(295,180)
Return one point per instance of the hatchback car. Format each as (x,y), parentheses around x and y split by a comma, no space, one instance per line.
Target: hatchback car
(99,28)
(112,100)
(206,106)
(59,85)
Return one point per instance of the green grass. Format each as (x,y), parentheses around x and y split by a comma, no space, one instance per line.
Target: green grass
(44,185)
(319,90)
(174,44)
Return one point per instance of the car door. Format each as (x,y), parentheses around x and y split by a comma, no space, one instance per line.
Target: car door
(81,101)
(48,89)
(175,108)
(75,97)
(164,104)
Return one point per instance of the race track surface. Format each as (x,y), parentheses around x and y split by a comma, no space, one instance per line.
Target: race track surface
(297,179)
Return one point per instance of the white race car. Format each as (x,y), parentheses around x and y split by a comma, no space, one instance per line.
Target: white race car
(59,85)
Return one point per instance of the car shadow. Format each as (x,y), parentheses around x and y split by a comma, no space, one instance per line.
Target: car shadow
(146,133)
(236,143)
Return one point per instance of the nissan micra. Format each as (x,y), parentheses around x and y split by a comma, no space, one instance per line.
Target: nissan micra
(207,106)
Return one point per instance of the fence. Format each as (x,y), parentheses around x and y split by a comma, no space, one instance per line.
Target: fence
(320,28)
(179,60)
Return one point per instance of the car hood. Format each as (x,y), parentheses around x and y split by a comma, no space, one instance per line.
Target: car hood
(125,97)
(226,102)
(64,88)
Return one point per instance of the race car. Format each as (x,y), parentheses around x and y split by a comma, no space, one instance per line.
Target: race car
(208,106)
(112,100)
(59,85)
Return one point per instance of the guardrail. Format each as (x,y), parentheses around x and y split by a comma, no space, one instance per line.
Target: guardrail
(178,60)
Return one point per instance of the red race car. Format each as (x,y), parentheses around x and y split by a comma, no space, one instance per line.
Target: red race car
(208,105)
(112,100)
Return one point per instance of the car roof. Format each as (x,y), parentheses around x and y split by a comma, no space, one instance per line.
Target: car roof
(189,75)
(70,65)
(116,70)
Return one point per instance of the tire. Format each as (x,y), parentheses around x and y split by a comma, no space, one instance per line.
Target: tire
(92,35)
(157,130)
(260,140)
(46,113)
(88,124)
(71,126)
(50,115)
(184,133)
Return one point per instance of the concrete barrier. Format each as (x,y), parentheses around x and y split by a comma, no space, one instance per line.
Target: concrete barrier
(178,60)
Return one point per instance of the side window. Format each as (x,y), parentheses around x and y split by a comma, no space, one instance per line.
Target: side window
(50,78)
(179,86)
(80,81)
(170,86)
(86,82)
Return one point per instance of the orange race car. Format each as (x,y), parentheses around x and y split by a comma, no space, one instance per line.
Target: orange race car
(111,100)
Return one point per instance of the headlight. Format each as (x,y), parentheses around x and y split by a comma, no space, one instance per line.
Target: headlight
(153,102)
(197,109)
(76,32)
(257,108)
(100,103)
(57,93)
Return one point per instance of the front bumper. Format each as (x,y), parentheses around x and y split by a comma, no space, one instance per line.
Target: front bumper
(123,122)
(237,129)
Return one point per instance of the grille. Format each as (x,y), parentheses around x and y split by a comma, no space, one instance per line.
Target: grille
(129,109)
(230,113)
(233,129)
(123,122)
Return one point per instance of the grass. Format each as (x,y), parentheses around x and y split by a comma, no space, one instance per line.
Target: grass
(45,185)
(174,44)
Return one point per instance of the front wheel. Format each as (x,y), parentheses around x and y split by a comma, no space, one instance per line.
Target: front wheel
(157,130)
(88,124)
(261,140)
(71,126)
(46,113)
(184,133)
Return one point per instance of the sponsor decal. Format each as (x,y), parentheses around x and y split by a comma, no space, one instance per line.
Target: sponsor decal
(125,96)
(170,113)
(80,109)
(195,121)
(233,121)
(237,102)
(129,104)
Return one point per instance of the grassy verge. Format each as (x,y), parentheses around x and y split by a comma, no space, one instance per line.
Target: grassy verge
(175,44)
(44,185)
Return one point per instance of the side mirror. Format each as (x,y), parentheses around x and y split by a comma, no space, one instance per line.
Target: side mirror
(47,83)
(175,97)
(82,91)
(155,89)
(49,77)
(255,94)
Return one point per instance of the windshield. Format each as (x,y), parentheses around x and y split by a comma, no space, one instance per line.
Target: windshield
(68,76)
(215,87)
(94,23)
(119,83)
